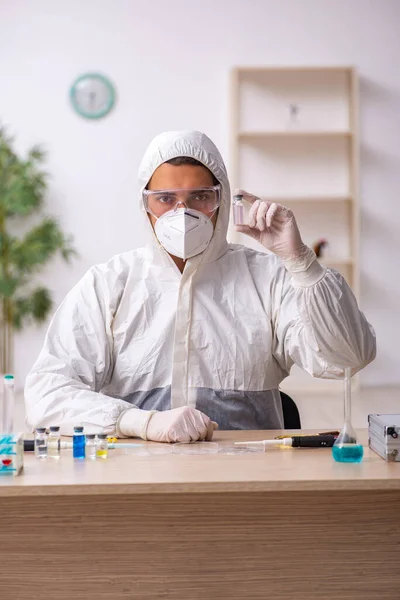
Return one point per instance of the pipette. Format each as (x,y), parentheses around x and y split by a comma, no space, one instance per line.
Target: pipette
(296,441)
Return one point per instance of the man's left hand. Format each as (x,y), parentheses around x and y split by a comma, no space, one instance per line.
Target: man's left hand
(274,226)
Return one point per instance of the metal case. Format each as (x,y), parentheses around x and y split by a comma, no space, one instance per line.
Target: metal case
(384,436)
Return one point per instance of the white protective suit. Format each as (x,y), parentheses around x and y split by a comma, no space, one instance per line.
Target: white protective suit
(220,337)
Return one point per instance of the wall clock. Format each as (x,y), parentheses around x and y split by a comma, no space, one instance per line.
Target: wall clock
(92,95)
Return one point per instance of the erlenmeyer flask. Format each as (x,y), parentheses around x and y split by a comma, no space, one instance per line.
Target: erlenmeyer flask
(346,448)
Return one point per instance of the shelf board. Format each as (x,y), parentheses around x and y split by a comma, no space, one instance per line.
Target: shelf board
(331,261)
(292,134)
(294,69)
(306,199)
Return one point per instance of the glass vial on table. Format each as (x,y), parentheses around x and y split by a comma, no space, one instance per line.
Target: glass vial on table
(78,442)
(238,210)
(102,446)
(91,446)
(53,442)
(8,404)
(41,442)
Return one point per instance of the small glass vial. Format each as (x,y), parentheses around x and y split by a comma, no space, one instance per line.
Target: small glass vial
(102,446)
(53,442)
(8,406)
(41,442)
(294,110)
(91,446)
(238,210)
(78,442)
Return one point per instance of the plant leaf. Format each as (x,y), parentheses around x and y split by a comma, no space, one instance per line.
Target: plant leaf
(41,303)
(39,245)
(36,154)
(20,310)
(22,182)
(35,307)
(8,286)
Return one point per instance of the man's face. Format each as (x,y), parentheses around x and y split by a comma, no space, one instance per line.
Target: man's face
(185,177)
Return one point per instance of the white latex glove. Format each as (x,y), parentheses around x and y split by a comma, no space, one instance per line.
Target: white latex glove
(183,424)
(274,226)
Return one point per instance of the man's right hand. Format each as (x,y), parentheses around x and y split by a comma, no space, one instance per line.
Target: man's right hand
(183,424)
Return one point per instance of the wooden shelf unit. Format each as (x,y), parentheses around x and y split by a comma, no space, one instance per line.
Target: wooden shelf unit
(307,160)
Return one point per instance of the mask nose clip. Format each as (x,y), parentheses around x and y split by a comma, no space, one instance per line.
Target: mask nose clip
(187,213)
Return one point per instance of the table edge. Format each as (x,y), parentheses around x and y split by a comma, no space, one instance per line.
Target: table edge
(197,488)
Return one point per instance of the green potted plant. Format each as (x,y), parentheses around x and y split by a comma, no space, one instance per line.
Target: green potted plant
(23,185)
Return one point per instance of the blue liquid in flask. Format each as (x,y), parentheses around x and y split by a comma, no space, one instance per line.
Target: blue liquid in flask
(348,453)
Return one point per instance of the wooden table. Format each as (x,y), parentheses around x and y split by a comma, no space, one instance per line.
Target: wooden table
(284,524)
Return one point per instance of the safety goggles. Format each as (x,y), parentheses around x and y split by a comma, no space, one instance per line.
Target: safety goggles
(204,199)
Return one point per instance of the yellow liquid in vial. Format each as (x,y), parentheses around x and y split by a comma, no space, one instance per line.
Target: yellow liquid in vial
(102,453)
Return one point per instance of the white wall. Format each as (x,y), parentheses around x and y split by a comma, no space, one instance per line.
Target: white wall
(170,62)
